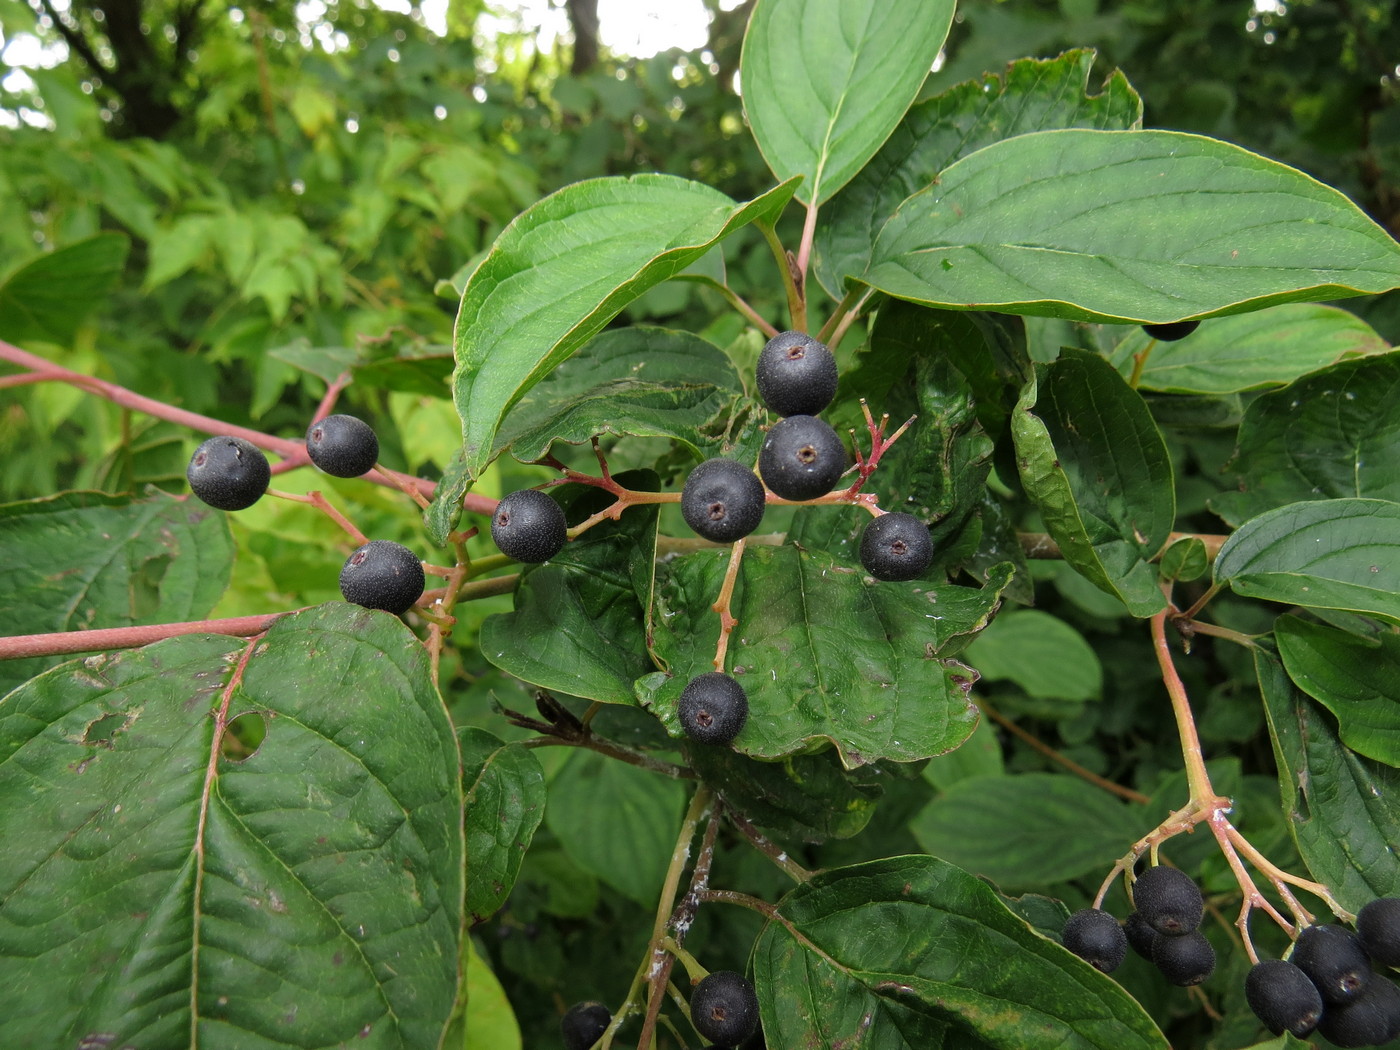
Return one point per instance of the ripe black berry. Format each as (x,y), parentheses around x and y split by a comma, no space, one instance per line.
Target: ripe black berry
(1168,899)
(1378,929)
(382,575)
(1171,331)
(723,500)
(724,1008)
(1095,936)
(1140,934)
(584,1024)
(1334,960)
(342,446)
(896,547)
(796,374)
(713,708)
(228,473)
(801,458)
(1372,1019)
(1185,959)
(529,526)
(1282,997)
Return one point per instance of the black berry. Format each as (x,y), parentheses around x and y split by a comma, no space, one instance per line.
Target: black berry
(1168,900)
(801,458)
(529,526)
(382,575)
(723,500)
(724,1008)
(796,374)
(1282,997)
(1334,960)
(1095,936)
(1372,1019)
(1171,331)
(584,1024)
(896,547)
(1378,929)
(228,473)
(1140,934)
(1184,959)
(713,708)
(342,446)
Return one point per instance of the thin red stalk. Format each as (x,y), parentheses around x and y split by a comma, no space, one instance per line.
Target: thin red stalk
(64,643)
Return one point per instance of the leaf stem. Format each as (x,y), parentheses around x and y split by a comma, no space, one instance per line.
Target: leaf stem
(68,643)
(727,622)
(787,266)
(778,856)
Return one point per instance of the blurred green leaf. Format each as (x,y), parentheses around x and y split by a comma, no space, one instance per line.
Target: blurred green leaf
(50,297)
(1041,653)
(504,798)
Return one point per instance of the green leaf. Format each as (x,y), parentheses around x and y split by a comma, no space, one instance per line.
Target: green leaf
(978,756)
(1032,95)
(306,895)
(1249,351)
(616,821)
(1184,561)
(83,560)
(489,1019)
(49,298)
(1357,679)
(1328,434)
(505,794)
(1343,810)
(563,269)
(826,81)
(1127,227)
(1330,554)
(911,952)
(577,627)
(1095,464)
(1041,653)
(825,653)
(1033,830)
(643,382)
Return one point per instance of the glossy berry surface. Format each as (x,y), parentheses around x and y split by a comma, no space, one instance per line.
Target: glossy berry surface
(228,473)
(342,446)
(713,708)
(1185,959)
(723,500)
(1378,930)
(1095,936)
(529,526)
(382,575)
(1168,900)
(1373,1019)
(796,374)
(1140,935)
(1282,997)
(801,458)
(896,547)
(1334,960)
(583,1025)
(1171,331)
(724,1008)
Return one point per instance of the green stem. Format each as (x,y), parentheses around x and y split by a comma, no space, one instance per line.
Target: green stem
(797,305)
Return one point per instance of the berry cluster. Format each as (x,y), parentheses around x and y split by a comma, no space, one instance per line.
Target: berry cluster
(723,1009)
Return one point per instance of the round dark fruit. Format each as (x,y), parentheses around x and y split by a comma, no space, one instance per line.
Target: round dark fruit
(801,458)
(1184,959)
(583,1025)
(1282,997)
(228,473)
(1378,930)
(1372,1019)
(724,1008)
(796,374)
(529,526)
(896,547)
(713,708)
(1168,900)
(1097,938)
(383,575)
(1140,934)
(1171,331)
(1334,960)
(723,500)
(342,446)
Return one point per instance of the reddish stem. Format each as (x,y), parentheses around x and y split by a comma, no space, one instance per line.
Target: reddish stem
(64,643)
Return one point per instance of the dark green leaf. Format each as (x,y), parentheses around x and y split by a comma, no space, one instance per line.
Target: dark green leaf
(911,952)
(1330,554)
(826,81)
(1185,560)
(505,793)
(1094,463)
(1328,434)
(306,895)
(49,298)
(1032,95)
(1041,653)
(445,511)
(1127,227)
